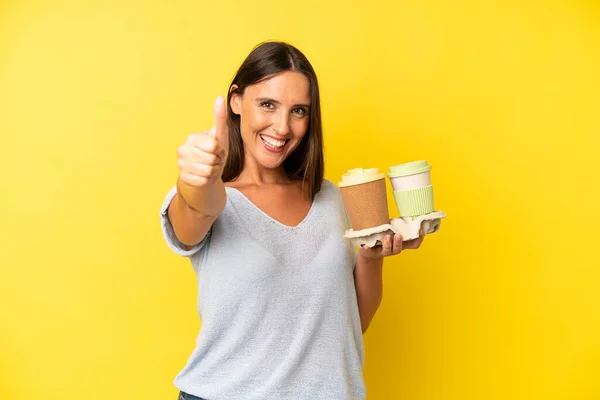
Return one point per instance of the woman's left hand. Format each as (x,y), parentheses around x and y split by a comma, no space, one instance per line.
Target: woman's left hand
(392,245)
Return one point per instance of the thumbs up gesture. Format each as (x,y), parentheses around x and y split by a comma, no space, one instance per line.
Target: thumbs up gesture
(202,157)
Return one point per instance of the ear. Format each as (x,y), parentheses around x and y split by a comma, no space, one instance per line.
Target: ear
(235,101)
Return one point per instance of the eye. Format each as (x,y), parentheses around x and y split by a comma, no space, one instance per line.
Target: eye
(299,111)
(267,104)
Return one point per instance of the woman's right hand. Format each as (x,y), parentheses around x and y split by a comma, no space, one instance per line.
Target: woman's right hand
(201,161)
(202,157)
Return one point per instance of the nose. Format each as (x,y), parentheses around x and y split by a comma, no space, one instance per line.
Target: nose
(281,123)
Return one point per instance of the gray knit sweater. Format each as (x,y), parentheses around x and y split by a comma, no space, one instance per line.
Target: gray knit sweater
(277,303)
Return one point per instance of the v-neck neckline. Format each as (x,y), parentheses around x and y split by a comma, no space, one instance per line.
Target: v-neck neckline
(268,217)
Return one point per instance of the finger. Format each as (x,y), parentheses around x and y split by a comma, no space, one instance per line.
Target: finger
(208,144)
(397,246)
(203,170)
(421,237)
(205,142)
(220,131)
(370,251)
(369,248)
(375,247)
(386,249)
(414,243)
(202,157)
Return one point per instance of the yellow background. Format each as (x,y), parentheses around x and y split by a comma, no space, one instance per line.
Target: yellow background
(502,99)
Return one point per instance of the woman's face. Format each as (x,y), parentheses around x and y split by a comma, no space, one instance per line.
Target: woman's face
(274,117)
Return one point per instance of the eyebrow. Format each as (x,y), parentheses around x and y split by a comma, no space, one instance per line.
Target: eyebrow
(261,99)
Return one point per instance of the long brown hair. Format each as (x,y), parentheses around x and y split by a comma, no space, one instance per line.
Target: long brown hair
(306,161)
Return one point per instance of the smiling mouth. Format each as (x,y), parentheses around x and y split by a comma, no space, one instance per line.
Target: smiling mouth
(272,143)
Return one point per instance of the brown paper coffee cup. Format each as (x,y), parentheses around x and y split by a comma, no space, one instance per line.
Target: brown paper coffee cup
(364,194)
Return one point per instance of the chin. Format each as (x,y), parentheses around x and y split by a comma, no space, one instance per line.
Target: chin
(270,164)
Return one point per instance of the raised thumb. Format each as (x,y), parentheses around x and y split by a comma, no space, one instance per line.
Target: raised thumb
(220,122)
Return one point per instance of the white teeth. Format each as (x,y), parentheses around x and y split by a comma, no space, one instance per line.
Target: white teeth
(273,142)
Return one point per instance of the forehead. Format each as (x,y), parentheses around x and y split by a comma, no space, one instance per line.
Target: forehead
(286,87)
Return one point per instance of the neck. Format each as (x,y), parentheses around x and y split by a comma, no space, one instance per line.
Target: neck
(255,174)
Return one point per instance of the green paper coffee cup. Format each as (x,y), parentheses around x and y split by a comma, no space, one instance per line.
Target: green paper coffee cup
(412,187)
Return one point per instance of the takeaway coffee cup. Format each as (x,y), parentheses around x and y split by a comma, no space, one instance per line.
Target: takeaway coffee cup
(364,194)
(412,187)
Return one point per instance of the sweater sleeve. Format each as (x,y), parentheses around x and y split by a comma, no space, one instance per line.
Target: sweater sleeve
(169,233)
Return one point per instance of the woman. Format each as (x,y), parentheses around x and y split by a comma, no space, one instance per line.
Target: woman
(283,297)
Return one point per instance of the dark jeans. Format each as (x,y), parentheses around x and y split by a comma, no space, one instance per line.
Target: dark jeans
(185,396)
